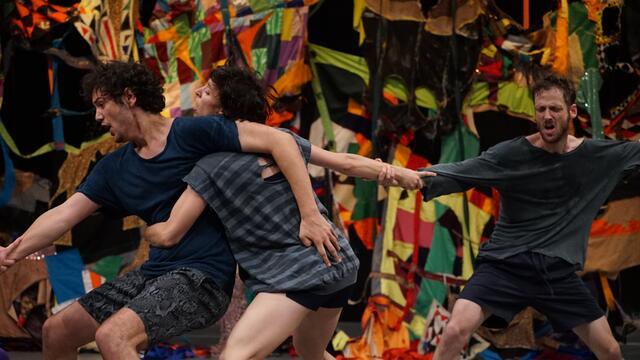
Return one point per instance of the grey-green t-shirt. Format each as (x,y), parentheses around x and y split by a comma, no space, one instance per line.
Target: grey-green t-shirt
(547,200)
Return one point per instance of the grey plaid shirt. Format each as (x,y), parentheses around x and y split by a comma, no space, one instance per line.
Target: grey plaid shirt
(262,223)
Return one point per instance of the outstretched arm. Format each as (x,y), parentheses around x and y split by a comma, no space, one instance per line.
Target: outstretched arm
(314,229)
(360,166)
(47,228)
(183,215)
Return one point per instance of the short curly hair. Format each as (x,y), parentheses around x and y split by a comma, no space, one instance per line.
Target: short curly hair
(551,80)
(242,95)
(112,78)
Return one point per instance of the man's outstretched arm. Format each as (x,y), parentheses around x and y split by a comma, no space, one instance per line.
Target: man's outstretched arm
(47,228)
(314,229)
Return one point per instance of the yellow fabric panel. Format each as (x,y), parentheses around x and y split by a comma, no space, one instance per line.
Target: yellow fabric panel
(288,15)
(427,212)
(402,155)
(358,9)
(561,61)
(418,325)
(389,287)
(352,63)
(477,221)
(576,63)
(403,249)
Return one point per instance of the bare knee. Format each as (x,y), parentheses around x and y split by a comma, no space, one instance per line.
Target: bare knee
(236,353)
(237,349)
(110,340)
(53,330)
(105,338)
(455,332)
(611,352)
(308,351)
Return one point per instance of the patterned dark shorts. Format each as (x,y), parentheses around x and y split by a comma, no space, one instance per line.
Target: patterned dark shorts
(169,305)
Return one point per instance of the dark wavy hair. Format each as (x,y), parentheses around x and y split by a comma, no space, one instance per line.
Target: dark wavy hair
(242,95)
(112,78)
(550,80)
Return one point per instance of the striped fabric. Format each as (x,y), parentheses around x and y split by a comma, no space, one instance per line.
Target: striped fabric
(262,223)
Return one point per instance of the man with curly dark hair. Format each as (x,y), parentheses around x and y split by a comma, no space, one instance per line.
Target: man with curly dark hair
(180,288)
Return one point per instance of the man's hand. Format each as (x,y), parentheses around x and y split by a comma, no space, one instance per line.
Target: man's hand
(6,261)
(156,235)
(403,177)
(316,230)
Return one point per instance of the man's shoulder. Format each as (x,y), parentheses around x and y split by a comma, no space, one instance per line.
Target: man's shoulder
(116,155)
(506,147)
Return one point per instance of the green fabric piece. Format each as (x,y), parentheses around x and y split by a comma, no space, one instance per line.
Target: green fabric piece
(479,94)
(109,266)
(354,64)
(262,5)
(424,97)
(584,28)
(588,96)
(440,260)
(450,148)
(195,46)
(515,98)
(395,87)
(274,23)
(259,60)
(323,109)
(365,192)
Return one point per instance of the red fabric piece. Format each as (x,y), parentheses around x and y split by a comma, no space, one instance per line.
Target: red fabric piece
(403,229)
(185,74)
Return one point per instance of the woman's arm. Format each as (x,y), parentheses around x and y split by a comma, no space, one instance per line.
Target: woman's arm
(360,166)
(314,229)
(183,215)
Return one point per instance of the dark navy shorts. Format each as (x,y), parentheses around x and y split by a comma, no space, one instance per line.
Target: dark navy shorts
(169,305)
(313,302)
(548,284)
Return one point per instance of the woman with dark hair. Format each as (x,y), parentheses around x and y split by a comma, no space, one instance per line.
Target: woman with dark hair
(298,292)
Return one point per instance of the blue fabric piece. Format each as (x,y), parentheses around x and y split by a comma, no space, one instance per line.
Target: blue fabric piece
(489,355)
(3,355)
(65,273)
(9,175)
(167,352)
(124,184)
(56,122)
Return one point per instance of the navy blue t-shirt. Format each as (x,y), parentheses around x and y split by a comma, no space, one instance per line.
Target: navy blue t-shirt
(126,184)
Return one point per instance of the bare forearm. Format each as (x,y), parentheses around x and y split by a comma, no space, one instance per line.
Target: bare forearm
(183,215)
(49,227)
(359,166)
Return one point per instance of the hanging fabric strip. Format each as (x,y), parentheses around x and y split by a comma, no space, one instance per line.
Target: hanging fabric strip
(561,62)
(78,62)
(458,108)
(4,135)
(56,122)
(323,109)
(9,175)
(606,291)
